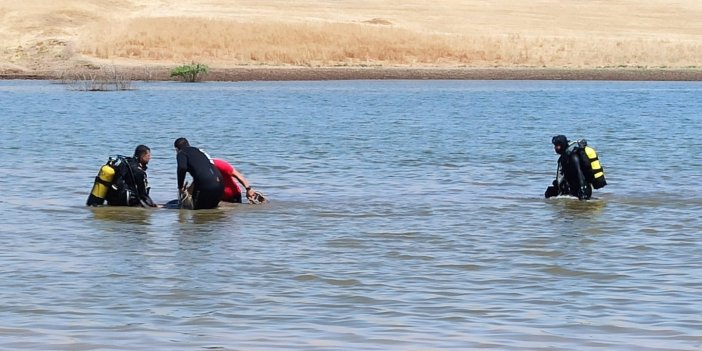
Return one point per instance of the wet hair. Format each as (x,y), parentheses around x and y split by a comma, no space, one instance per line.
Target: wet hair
(560,140)
(141,150)
(181,143)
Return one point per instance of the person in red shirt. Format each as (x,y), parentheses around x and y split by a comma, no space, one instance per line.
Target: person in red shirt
(232,192)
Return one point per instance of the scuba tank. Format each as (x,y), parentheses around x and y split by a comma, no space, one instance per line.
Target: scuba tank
(593,169)
(101,186)
(103,182)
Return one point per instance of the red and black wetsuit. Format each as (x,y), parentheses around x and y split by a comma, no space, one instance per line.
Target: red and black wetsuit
(207,181)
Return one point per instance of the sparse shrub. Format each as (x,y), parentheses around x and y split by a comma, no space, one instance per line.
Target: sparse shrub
(96,79)
(190,73)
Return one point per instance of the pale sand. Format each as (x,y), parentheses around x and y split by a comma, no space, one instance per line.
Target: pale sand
(317,39)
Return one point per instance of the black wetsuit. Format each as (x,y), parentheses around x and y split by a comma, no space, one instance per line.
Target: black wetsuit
(208,185)
(130,186)
(570,179)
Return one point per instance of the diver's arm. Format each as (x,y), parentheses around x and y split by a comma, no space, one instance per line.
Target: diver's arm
(247,186)
(144,193)
(146,199)
(561,181)
(143,189)
(552,190)
(182,168)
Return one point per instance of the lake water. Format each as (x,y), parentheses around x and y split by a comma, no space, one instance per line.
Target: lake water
(404,215)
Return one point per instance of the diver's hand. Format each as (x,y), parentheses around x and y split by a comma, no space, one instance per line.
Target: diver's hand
(255,197)
(551,191)
(250,193)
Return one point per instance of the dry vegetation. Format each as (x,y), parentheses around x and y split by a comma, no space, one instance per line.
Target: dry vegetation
(108,78)
(228,43)
(71,34)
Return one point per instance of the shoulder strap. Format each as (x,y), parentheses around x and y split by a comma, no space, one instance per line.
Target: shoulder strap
(572,147)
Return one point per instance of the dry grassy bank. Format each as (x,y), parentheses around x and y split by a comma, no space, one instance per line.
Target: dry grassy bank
(54,35)
(230,43)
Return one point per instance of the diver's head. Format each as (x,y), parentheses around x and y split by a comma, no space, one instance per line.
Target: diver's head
(560,143)
(181,143)
(142,153)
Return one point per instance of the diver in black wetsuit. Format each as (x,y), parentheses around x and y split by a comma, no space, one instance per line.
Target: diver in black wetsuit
(570,179)
(130,186)
(208,184)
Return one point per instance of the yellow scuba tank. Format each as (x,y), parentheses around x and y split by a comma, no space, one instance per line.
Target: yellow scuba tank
(102,184)
(596,175)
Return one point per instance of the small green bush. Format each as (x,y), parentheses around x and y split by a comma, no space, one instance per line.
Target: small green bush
(190,73)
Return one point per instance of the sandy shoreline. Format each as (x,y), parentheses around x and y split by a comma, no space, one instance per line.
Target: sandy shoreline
(393,73)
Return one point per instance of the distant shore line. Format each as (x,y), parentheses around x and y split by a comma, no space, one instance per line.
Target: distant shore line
(264,73)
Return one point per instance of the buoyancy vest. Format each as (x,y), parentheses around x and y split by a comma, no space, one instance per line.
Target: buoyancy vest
(115,183)
(590,163)
(128,180)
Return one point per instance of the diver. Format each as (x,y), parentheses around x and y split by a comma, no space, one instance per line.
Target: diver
(208,184)
(130,185)
(578,171)
(232,192)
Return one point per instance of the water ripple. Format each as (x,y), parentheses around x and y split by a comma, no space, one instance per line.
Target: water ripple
(389,228)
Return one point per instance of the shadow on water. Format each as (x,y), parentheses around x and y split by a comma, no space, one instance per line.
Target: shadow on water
(196,216)
(132,215)
(572,207)
(201,216)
